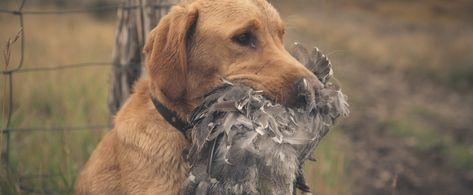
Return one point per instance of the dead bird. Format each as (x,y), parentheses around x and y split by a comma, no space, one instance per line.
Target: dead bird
(243,143)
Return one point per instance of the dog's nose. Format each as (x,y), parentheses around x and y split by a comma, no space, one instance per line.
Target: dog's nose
(312,83)
(308,86)
(307,89)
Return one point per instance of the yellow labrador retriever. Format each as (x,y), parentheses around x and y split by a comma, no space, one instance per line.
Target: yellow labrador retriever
(197,45)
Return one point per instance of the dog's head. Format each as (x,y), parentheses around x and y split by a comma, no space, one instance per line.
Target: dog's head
(199,43)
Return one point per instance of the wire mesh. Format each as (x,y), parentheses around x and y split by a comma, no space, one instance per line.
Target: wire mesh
(10,70)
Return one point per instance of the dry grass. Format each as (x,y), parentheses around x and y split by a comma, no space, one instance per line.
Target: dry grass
(328,175)
(72,97)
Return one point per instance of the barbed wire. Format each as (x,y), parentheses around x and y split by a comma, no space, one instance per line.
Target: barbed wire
(71,11)
(58,67)
(73,128)
(9,71)
(81,10)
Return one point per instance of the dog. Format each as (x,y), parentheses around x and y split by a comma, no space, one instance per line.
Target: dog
(194,47)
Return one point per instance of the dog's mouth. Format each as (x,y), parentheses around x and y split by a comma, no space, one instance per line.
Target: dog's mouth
(276,97)
(302,96)
(296,93)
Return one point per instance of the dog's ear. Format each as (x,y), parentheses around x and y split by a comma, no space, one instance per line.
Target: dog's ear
(166,50)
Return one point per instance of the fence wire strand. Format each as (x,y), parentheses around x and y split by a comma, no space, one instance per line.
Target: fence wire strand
(58,67)
(9,71)
(74,128)
(81,10)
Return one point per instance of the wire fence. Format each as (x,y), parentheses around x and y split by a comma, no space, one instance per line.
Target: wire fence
(10,71)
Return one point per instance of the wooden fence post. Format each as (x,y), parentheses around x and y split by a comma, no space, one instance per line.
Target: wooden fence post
(135,20)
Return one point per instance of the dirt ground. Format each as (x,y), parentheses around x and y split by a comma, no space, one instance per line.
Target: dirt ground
(409,130)
(386,164)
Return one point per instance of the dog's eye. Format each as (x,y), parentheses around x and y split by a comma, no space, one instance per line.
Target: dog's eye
(245,39)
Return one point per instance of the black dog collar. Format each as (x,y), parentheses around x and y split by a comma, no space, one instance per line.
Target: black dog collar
(171,116)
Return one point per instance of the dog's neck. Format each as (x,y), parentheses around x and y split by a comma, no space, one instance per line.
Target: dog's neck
(170,116)
(180,107)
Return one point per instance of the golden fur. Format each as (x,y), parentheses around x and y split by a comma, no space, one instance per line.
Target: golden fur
(189,52)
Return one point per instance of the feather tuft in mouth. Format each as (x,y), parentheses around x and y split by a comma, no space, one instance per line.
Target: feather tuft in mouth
(243,143)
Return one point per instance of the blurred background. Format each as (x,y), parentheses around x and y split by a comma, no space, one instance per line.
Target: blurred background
(406,66)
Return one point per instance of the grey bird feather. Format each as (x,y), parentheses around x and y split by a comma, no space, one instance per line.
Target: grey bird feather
(315,61)
(243,143)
